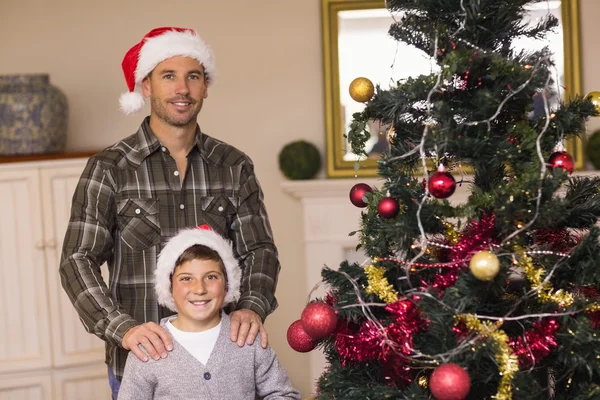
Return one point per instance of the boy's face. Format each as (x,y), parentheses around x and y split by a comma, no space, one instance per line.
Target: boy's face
(198,291)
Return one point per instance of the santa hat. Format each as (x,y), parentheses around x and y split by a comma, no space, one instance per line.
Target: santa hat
(158,45)
(185,239)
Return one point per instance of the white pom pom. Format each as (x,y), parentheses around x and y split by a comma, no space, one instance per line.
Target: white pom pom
(131,102)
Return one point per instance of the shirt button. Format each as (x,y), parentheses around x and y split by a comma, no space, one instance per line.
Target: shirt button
(137,211)
(181,206)
(176,173)
(207,376)
(163,148)
(220,208)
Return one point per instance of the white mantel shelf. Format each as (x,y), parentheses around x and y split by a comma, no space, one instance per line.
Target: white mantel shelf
(324,188)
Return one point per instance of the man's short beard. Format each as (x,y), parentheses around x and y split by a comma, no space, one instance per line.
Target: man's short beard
(159,109)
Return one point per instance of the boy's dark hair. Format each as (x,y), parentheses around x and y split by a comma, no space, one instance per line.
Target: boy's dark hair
(200,252)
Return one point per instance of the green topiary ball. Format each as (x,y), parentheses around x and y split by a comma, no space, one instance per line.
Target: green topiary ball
(593,149)
(299,160)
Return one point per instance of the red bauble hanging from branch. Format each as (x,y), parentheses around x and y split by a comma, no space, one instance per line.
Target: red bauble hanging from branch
(441,184)
(298,339)
(562,159)
(319,319)
(358,192)
(450,382)
(388,207)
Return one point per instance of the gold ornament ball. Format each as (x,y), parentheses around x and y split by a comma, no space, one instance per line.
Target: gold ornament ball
(484,265)
(594,97)
(361,90)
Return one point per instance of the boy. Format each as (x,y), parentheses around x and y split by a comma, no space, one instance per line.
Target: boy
(196,275)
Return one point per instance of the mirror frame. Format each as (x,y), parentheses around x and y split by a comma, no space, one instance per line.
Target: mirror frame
(337,167)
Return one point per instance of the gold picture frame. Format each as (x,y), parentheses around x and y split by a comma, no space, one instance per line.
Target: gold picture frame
(337,166)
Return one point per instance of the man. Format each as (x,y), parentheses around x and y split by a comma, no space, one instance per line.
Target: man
(135,195)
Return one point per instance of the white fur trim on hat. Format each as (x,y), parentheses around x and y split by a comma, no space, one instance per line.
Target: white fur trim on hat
(171,44)
(181,242)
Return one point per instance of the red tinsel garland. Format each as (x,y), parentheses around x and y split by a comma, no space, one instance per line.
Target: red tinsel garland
(407,322)
(478,235)
(559,240)
(331,298)
(536,343)
(591,295)
(594,317)
(531,347)
(588,291)
(365,344)
(389,345)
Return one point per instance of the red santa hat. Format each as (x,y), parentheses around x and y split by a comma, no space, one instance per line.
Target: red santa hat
(185,239)
(158,45)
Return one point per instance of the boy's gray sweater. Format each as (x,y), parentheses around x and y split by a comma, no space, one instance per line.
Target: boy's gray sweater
(231,373)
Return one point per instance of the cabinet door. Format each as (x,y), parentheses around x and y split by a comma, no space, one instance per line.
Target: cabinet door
(81,383)
(24,337)
(36,386)
(71,344)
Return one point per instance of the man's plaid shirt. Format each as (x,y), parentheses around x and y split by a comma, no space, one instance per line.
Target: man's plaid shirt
(130,201)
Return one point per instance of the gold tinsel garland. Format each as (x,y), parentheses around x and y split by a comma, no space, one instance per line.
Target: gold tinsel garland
(451,233)
(508,363)
(544,290)
(379,285)
(594,307)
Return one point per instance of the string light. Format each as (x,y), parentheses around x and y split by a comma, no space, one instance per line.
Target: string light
(528,252)
(425,265)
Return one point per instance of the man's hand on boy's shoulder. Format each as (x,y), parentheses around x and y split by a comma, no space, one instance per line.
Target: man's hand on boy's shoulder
(153,338)
(245,325)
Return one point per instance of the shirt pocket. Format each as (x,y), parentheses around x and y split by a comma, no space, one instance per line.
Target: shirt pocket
(139,223)
(218,212)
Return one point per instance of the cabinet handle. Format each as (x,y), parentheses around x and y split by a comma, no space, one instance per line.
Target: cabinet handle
(39,246)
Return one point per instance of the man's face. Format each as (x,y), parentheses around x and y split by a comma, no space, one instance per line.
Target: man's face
(198,289)
(177,89)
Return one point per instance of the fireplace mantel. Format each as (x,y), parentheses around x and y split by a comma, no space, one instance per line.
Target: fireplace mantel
(328,218)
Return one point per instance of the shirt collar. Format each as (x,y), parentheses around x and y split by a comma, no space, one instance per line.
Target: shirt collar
(148,143)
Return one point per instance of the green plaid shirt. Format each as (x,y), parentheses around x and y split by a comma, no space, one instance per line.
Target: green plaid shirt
(130,201)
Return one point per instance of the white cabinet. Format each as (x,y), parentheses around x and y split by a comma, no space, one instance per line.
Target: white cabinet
(45,352)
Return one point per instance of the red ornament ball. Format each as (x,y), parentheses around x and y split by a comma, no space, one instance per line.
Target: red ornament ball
(298,339)
(318,320)
(562,159)
(357,193)
(388,207)
(450,382)
(441,184)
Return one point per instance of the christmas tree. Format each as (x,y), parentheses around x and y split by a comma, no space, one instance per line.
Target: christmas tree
(497,297)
